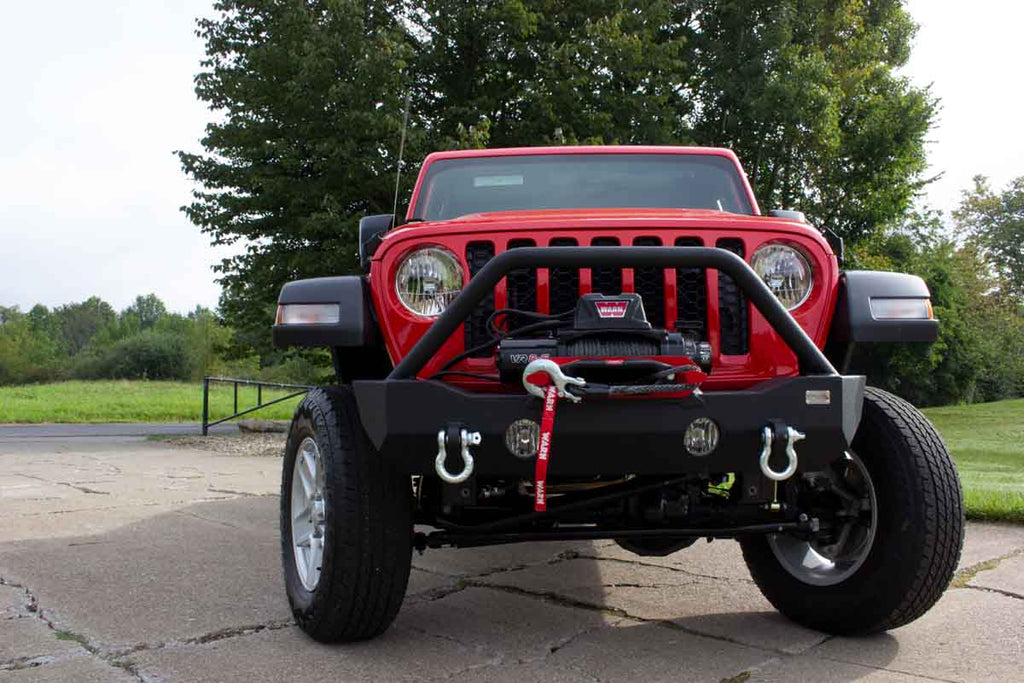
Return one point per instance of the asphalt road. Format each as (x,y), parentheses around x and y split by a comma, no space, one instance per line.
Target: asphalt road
(44,431)
(128,560)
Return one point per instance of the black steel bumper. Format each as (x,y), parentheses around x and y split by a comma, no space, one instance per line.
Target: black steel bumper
(403,416)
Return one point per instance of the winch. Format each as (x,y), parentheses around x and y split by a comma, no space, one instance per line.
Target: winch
(612,329)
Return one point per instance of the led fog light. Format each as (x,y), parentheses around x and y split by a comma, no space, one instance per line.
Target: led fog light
(522,437)
(701,436)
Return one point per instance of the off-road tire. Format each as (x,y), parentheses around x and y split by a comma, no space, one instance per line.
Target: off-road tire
(917,541)
(368,543)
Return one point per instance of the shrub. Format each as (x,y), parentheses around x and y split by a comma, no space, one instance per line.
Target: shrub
(297,369)
(147,355)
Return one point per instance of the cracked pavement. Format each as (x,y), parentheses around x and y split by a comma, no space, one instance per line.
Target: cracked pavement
(128,560)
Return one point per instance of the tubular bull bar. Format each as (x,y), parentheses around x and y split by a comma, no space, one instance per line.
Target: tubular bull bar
(403,415)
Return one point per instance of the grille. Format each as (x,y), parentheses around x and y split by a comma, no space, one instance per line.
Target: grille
(477,256)
(691,295)
(649,283)
(732,307)
(606,280)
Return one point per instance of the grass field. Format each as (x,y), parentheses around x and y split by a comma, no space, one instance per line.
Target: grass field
(987,440)
(124,401)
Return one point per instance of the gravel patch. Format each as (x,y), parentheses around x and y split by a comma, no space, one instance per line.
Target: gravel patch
(254,445)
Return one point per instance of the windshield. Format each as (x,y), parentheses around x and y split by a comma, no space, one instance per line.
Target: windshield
(457,187)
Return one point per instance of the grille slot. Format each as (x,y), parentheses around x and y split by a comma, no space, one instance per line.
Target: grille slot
(649,283)
(477,256)
(521,285)
(606,280)
(734,317)
(563,283)
(692,295)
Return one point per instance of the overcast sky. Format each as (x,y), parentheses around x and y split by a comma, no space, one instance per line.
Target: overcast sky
(97,95)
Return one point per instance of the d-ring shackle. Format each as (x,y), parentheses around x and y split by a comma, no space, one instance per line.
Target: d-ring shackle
(466,439)
(768,437)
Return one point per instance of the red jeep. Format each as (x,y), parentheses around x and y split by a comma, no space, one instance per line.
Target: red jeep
(610,343)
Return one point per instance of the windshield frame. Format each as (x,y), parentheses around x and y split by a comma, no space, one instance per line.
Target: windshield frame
(744,194)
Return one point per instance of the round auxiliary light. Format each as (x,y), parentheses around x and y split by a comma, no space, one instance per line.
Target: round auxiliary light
(428,280)
(701,436)
(522,438)
(786,271)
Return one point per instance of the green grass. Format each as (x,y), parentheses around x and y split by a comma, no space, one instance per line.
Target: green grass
(987,442)
(130,401)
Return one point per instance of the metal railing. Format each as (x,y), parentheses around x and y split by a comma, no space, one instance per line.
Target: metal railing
(300,389)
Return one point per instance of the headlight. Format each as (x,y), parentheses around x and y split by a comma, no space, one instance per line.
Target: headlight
(428,280)
(786,272)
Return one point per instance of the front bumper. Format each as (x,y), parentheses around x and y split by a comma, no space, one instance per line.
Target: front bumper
(403,415)
(612,437)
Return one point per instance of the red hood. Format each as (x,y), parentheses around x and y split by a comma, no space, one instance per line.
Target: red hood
(568,219)
(589,214)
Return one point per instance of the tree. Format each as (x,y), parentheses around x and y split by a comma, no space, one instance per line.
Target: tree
(805,92)
(79,323)
(995,223)
(26,354)
(541,71)
(309,96)
(147,309)
(309,99)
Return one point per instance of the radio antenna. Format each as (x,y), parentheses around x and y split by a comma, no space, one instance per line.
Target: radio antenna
(401,151)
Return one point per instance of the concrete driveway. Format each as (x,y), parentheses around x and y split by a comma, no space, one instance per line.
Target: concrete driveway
(128,560)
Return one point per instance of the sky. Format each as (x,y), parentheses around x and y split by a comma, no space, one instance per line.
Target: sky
(96,96)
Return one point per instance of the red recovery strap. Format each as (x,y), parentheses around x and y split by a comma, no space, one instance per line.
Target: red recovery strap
(547,426)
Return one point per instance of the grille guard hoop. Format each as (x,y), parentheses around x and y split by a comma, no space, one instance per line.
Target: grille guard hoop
(811,360)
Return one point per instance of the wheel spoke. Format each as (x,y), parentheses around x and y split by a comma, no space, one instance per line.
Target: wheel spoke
(306,562)
(316,554)
(305,512)
(309,460)
(304,479)
(305,540)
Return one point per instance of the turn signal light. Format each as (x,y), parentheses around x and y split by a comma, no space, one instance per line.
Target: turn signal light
(308,314)
(901,309)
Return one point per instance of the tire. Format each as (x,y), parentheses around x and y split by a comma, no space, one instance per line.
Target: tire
(366,518)
(918,532)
